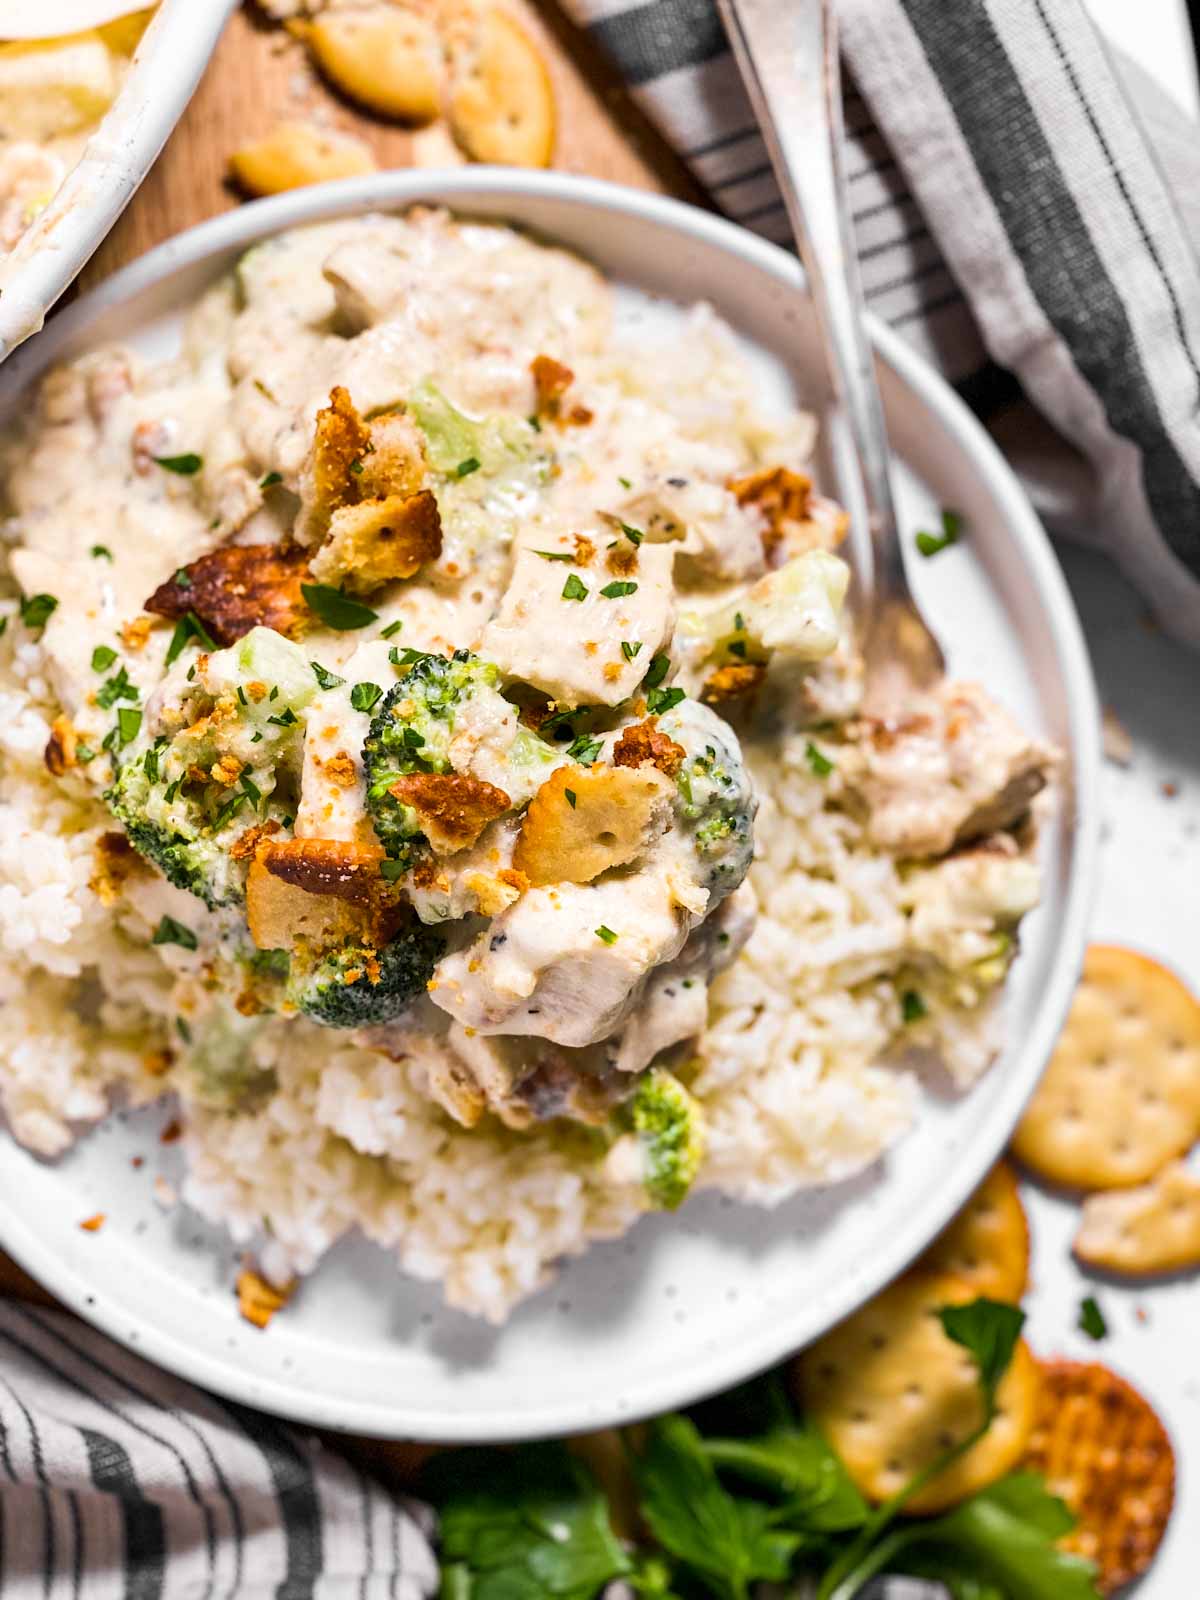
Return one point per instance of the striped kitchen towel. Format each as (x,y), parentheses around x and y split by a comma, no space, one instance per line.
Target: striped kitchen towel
(1026,214)
(119,1481)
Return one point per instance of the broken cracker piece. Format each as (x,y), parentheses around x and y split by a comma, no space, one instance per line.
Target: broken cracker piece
(735,681)
(239,587)
(59,753)
(379,541)
(452,808)
(295,154)
(1102,1449)
(341,440)
(313,893)
(258,1300)
(1140,1232)
(644,742)
(987,1243)
(501,104)
(582,821)
(385,57)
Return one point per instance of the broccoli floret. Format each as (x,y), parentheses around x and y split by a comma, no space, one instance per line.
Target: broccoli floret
(358,987)
(668,1123)
(716,804)
(795,610)
(230,760)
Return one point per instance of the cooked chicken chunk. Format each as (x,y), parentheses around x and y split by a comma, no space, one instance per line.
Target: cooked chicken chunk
(955,769)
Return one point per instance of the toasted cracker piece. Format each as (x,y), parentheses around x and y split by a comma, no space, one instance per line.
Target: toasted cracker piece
(341,441)
(793,514)
(501,104)
(732,682)
(1121,1096)
(644,742)
(615,814)
(114,862)
(258,1300)
(551,380)
(59,753)
(1143,1231)
(380,540)
(890,1391)
(385,57)
(987,1244)
(295,154)
(395,460)
(452,807)
(239,587)
(1103,1450)
(314,893)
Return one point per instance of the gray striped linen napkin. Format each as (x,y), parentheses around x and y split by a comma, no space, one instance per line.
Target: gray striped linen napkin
(119,1481)
(1027,210)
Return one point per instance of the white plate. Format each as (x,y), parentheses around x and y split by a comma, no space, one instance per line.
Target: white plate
(51,253)
(689,1303)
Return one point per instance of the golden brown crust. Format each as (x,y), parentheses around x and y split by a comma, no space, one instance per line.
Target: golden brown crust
(258,1300)
(114,862)
(136,632)
(244,846)
(778,492)
(551,380)
(324,866)
(1101,1447)
(239,587)
(314,893)
(1146,1231)
(643,742)
(341,440)
(452,808)
(732,682)
(379,541)
(59,753)
(582,821)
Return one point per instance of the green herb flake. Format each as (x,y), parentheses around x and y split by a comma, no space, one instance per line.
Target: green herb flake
(335,607)
(634,535)
(364,695)
(129,720)
(606,935)
(118,687)
(101,552)
(286,718)
(171,932)
(37,609)
(182,578)
(912,1007)
(183,1030)
(356,467)
(739,622)
(464,469)
(659,666)
(555,555)
(241,694)
(571,796)
(618,588)
(392,629)
(326,679)
(84,753)
(737,647)
(251,790)
(630,648)
(103,657)
(574,588)
(188,627)
(271,479)
(1091,1319)
(585,749)
(820,763)
(391,871)
(187,466)
(660,700)
(929,544)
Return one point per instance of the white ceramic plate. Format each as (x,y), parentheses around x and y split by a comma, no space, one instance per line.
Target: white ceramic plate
(689,1303)
(51,253)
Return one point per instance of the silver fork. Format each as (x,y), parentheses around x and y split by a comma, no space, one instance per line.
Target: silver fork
(787,52)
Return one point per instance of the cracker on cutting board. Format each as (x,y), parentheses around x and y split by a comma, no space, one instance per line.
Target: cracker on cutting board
(1139,1232)
(1121,1096)
(987,1244)
(295,154)
(1103,1450)
(387,58)
(890,1390)
(500,105)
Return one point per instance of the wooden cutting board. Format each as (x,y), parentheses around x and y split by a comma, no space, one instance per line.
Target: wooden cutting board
(259,75)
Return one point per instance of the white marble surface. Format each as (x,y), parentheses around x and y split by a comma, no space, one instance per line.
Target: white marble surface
(1148,897)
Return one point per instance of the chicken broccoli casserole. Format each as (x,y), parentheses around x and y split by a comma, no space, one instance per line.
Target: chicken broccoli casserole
(432,751)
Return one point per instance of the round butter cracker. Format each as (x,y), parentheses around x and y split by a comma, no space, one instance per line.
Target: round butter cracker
(1102,1449)
(890,1391)
(385,57)
(501,103)
(987,1244)
(1121,1096)
(295,154)
(1139,1232)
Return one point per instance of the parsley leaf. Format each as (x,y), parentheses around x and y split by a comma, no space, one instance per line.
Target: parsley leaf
(1091,1319)
(465,468)
(584,749)
(929,544)
(118,687)
(727,1541)
(335,607)
(271,479)
(988,1331)
(630,648)
(523,1525)
(571,797)
(326,679)
(392,629)
(912,1007)
(660,700)
(37,609)
(659,666)
(187,628)
(621,586)
(364,695)
(171,932)
(129,720)
(606,935)
(101,552)
(555,555)
(819,762)
(103,657)
(186,465)
(574,588)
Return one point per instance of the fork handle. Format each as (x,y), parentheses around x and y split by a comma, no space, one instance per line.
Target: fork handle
(788,55)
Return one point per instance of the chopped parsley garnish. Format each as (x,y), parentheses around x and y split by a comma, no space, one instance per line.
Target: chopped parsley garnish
(660,700)
(228,811)
(3,626)
(737,647)
(251,790)
(464,469)
(739,622)
(335,607)
(912,1007)
(930,543)
(37,609)
(271,479)
(555,555)
(364,695)
(634,535)
(571,797)
(392,629)
(574,588)
(241,695)
(412,738)
(150,764)
(103,657)
(84,753)
(356,467)
(129,720)
(392,870)
(1091,1319)
(585,749)
(182,578)
(615,590)
(171,932)
(182,1029)
(624,482)
(186,465)
(819,763)
(284,718)
(327,680)
(274,694)
(404,658)
(187,628)
(630,648)
(606,934)
(101,552)
(118,687)
(659,666)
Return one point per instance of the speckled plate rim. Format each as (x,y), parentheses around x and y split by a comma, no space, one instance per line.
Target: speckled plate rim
(906,1236)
